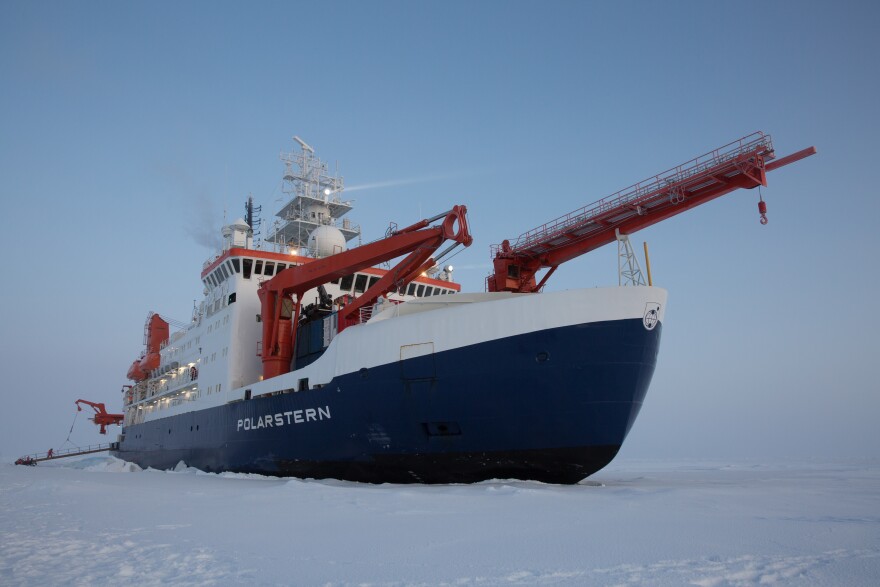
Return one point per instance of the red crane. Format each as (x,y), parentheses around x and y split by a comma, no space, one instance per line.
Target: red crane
(102,418)
(280,313)
(740,164)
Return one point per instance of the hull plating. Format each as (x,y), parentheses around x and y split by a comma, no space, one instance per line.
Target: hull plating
(552,405)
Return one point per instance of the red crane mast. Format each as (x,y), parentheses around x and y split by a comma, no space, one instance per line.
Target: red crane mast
(741,164)
(102,418)
(280,312)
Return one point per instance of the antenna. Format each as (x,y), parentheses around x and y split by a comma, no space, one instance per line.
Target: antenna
(304,145)
(252,217)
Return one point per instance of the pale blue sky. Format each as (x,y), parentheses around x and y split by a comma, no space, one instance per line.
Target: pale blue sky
(127,129)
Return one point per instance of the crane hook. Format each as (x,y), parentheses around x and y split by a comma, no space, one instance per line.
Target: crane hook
(762,207)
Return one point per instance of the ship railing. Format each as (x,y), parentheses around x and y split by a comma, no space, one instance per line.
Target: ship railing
(69,452)
(158,388)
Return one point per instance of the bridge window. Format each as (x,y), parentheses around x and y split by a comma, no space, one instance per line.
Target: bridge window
(346,283)
(360,283)
(373,281)
(247,265)
(412,289)
(281,267)
(270,268)
(236,266)
(258,267)
(223,270)
(420,291)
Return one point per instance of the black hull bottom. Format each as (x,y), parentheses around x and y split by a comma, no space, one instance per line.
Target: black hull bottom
(565,466)
(562,465)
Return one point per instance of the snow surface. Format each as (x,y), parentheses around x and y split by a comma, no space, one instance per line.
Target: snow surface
(101,521)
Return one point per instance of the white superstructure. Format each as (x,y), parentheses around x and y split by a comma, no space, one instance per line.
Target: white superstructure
(218,351)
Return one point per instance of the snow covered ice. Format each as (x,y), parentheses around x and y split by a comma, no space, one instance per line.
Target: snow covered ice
(101,521)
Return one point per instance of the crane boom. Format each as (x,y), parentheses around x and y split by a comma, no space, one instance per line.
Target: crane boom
(102,418)
(280,314)
(740,164)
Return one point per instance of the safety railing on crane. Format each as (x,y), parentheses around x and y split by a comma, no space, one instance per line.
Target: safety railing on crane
(755,142)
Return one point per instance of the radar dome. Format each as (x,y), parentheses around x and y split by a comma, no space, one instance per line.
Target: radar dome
(326,240)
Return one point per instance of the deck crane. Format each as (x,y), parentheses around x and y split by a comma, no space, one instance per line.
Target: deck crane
(102,418)
(280,312)
(741,164)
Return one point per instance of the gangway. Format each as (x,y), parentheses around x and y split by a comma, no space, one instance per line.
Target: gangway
(741,164)
(51,455)
(101,418)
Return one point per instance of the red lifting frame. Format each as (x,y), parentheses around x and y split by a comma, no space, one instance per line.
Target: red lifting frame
(280,314)
(102,417)
(740,164)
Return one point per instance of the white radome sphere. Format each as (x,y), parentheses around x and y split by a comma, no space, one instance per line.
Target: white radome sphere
(326,240)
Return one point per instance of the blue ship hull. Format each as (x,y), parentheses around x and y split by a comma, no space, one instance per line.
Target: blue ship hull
(553,405)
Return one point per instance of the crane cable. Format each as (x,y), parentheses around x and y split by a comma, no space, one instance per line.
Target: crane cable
(71,431)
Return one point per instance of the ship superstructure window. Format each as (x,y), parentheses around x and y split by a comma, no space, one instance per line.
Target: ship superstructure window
(420,291)
(258,267)
(247,265)
(223,270)
(281,267)
(345,285)
(360,283)
(412,289)
(373,281)
(236,265)
(270,268)
(429,291)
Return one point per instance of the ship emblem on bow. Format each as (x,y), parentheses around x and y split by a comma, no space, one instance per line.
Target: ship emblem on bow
(652,315)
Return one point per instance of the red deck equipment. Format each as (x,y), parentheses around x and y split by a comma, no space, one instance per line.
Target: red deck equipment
(740,164)
(280,313)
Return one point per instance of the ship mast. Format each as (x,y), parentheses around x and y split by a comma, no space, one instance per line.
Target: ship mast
(314,201)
